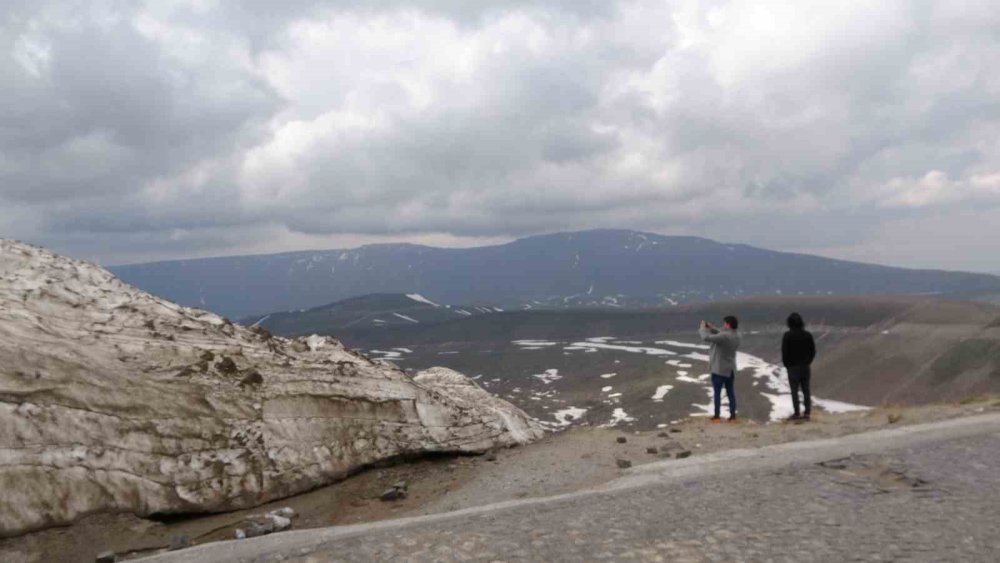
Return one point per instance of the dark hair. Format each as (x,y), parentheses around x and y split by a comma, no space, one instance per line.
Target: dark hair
(795,322)
(732,322)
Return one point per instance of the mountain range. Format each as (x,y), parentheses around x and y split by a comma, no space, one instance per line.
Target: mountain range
(599,268)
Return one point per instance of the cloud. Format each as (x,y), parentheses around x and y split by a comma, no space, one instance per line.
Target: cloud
(183,126)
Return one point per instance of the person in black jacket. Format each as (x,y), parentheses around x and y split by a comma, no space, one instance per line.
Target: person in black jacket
(798,349)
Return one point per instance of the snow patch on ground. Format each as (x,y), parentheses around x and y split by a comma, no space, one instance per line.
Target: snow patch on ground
(549,376)
(590,345)
(618,416)
(405,318)
(661,392)
(533,344)
(697,356)
(315,342)
(608,375)
(388,354)
(421,299)
(683,344)
(565,417)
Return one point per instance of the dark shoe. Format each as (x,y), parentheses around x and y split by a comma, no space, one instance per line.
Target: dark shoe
(805,416)
(715,420)
(794,417)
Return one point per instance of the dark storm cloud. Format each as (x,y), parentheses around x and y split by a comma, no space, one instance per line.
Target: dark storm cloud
(186,127)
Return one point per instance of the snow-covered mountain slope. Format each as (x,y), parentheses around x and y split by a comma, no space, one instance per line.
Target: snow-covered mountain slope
(601,268)
(113,400)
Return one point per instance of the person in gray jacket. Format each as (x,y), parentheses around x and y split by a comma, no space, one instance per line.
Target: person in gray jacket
(722,361)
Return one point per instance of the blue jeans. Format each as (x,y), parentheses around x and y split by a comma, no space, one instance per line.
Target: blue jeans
(718,382)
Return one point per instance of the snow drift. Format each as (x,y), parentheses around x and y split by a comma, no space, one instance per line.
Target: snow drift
(113,400)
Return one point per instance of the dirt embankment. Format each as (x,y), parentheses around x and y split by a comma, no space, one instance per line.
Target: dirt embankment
(559,463)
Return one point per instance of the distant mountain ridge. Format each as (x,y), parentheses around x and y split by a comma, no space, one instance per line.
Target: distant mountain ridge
(380,310)
(611,268)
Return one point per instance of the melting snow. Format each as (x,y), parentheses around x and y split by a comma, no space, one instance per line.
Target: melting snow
(619,415)
(549,376)
(683,344)
(699,357)
(405,318)
(592,344)
(608,375)
(661,392)
(565,417)
(315,342)
(388,354)
(421,299)
(534,344)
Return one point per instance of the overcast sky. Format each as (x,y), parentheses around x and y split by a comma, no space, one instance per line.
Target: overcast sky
(133,131)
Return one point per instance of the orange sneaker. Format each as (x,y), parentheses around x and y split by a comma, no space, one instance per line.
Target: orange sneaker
(715,420)
(732,420)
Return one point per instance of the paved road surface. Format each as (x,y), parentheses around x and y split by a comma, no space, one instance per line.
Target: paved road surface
(919,493)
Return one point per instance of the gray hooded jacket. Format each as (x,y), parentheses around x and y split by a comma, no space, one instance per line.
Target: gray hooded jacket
(722,358)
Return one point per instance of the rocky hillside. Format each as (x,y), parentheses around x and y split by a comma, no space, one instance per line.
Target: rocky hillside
(601,268)
(933,351)
(112,400)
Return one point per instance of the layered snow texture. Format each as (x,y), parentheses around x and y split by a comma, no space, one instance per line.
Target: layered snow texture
(113,400)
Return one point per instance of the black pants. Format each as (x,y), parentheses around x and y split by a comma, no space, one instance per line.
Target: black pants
(798,378)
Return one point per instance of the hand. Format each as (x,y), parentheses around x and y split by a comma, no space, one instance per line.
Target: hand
(703,325)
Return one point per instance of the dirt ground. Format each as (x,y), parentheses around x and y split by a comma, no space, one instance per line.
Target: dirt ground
(561,462)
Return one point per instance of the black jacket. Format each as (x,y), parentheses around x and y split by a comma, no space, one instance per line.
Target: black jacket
(797,348)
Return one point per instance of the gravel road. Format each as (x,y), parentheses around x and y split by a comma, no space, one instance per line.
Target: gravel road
(921,493)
